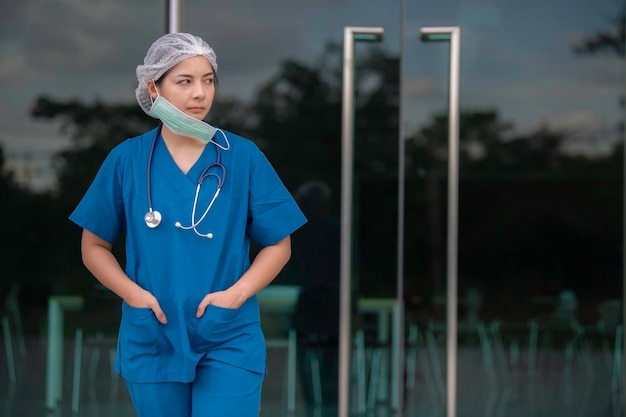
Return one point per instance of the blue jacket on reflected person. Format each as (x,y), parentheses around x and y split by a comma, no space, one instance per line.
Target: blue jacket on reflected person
(178,266)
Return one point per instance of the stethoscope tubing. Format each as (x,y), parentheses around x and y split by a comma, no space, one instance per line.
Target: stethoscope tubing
(148,181)
(153,218)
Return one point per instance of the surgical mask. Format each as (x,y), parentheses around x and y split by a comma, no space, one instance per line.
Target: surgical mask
(182,124)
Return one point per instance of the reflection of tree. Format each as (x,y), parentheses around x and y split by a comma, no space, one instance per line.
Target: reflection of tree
(607,40)
(299,116)
(11,196)
(532,218)
(298,123)
(28,237)
(95,129)
(7,182)
(544,219)
(530,206)
(611,41)
(299,127)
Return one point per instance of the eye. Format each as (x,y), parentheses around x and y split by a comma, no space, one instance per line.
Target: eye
(209,81)
(184,81)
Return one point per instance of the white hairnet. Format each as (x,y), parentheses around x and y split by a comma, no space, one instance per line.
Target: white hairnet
(163,55)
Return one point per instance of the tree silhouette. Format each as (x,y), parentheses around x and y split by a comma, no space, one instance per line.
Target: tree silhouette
(609,40)
(29,241)
(299,116)
(299,127)
(94,129)
(540,215)
(521,184)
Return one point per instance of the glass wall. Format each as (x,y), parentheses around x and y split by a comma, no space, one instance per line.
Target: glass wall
(282,79)
(540,229)
(67,72)
(540,247)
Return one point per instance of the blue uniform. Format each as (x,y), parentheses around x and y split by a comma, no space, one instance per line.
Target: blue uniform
(179,267)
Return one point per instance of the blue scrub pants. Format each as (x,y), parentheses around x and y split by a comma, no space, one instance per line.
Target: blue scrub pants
(219,390)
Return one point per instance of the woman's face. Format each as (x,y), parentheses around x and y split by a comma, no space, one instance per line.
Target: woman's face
(190,86)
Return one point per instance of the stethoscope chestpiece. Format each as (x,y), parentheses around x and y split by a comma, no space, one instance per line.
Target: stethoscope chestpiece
(152,219)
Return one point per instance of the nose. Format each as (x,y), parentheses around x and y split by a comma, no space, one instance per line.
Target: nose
(198,90)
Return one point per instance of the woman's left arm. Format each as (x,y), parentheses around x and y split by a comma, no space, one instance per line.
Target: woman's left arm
(266,265)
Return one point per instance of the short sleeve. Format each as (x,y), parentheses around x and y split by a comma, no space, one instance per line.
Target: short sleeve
(101,210)
(273,213)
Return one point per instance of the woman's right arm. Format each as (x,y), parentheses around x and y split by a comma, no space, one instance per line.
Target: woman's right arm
(101,262)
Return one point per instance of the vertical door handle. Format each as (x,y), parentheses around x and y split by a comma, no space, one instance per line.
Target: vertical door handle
(350,36)
(451,34)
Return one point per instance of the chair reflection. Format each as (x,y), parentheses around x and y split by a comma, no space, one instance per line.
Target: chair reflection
(536,365)
(13,333)
(313,356)
(92,348)
(14,344)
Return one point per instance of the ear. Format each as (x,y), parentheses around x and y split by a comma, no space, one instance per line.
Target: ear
(152,90)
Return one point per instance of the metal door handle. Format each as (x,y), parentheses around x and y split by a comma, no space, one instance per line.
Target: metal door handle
(350,36)
(451,34)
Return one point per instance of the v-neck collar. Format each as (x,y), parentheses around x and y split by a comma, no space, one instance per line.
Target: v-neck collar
(164,161)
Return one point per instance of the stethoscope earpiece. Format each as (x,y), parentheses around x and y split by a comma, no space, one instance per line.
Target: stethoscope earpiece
(180,226)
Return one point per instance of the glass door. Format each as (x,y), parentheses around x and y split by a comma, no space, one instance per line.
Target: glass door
(540,202)
(539,251)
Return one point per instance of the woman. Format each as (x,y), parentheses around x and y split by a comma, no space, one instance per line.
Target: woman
(190,198)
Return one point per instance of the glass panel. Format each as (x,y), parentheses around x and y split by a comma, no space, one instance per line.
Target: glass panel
(540,214)
(292,94)
(540,249)
(67,81)
(67,73)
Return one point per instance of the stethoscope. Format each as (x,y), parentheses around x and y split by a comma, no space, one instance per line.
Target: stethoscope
(153,217)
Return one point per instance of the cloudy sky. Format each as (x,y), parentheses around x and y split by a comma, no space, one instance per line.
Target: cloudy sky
(516,56)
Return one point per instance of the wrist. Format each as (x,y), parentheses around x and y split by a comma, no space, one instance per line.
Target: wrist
(133,296)
(242,291)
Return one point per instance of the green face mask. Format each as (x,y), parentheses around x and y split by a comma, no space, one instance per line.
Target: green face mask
(182,124)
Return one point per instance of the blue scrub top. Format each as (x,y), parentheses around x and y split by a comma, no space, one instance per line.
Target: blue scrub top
(178,266)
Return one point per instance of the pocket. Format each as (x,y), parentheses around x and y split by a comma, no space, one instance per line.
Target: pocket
(216,326)
(142,331)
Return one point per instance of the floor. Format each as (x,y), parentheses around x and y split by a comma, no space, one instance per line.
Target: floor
(583,387)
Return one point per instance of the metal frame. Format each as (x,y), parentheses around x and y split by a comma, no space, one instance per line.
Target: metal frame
(174,16)
(451,34)
(350,36)
(398,380)
(623,393)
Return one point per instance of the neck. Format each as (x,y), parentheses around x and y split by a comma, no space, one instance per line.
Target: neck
(180,142)
(184,150)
